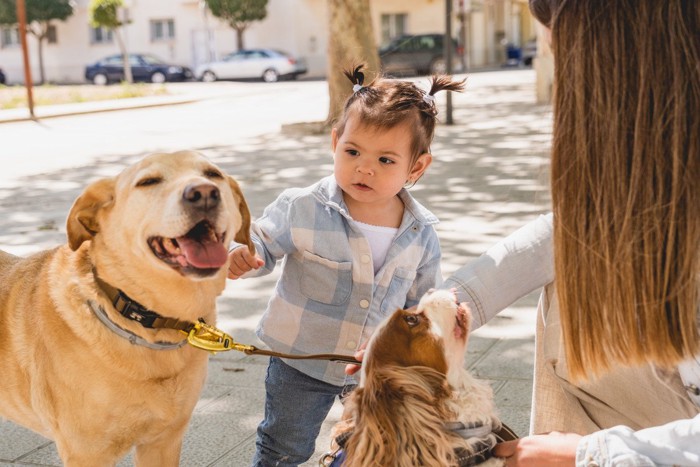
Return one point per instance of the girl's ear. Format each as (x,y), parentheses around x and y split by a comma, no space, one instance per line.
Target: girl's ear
(419,167)
(334,139)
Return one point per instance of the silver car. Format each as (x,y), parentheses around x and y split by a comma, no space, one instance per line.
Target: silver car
(266,64)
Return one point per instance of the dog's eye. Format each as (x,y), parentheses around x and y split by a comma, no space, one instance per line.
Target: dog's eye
(411,320)
(211,173)
(148,181)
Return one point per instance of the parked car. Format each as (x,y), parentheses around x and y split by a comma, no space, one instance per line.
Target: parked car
(529,52)
(266,64)
(420,54)
(143,68)
(2,77)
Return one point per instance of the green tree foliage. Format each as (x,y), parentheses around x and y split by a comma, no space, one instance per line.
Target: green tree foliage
(239,14)
(40,14)
(37,10)
(105,14)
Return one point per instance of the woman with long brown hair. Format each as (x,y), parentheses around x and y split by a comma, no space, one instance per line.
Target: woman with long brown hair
(617,371)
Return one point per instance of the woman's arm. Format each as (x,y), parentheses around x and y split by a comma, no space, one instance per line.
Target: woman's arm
(509,270)
(676,443)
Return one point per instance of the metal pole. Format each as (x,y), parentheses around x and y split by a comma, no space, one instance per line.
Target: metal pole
(448,56)
(22,19)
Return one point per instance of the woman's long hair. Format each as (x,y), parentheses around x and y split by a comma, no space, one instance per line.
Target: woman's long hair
(626,180)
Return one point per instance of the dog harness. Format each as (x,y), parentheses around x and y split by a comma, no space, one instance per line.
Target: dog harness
(476,433)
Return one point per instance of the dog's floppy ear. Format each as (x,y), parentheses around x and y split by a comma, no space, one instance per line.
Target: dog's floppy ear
(82,223)
(243,234)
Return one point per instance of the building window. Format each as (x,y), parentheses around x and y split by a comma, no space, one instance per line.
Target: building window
(162,30)
(393,25)
(101,36)
(51,35)
(9,37)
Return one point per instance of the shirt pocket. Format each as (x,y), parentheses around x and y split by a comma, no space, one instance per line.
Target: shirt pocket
(398,289)
(326,281)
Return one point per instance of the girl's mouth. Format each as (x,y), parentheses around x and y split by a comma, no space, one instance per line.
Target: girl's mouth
(361,186)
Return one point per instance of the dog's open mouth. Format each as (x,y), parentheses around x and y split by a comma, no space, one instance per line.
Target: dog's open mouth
(200,251)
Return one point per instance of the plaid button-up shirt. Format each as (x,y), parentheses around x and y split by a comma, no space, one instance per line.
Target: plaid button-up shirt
(328,299)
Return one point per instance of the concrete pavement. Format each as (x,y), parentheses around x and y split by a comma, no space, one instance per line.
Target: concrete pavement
(489,176)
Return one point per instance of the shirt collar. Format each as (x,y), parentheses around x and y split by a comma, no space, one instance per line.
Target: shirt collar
(329,193)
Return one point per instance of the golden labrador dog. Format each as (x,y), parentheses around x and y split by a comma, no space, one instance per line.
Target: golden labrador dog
(92,353)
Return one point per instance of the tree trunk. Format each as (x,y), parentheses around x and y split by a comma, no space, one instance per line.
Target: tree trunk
(125,57)
(42,75)
(239,38)
(350,42)
(40,34)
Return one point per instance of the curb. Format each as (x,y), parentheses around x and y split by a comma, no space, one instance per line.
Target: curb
(53,111)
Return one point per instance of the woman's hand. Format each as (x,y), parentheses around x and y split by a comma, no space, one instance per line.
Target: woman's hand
(553,449)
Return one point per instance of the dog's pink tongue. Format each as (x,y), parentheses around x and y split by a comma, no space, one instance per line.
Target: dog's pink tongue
(203,254)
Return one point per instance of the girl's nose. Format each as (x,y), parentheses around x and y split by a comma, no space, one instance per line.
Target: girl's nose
(364,168)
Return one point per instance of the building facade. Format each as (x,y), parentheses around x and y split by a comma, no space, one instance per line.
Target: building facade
(185,32)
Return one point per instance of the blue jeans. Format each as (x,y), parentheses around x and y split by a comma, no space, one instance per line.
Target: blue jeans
(295,407)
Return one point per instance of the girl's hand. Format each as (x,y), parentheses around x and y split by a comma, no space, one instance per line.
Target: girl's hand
(351,368)
(553,449)
(241,261)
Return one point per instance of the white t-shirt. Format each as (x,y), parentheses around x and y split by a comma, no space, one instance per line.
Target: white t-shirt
(379,239)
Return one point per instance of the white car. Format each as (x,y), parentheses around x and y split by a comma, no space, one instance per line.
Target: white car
(266,64)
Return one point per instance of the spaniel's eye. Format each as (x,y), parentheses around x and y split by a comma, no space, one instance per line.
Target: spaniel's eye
(411,320)
(149,181)
(212,173)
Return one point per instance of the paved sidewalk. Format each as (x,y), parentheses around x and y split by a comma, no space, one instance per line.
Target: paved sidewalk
(489,177)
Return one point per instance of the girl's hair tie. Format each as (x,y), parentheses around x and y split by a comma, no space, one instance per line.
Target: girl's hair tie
(429,99)
(356,87)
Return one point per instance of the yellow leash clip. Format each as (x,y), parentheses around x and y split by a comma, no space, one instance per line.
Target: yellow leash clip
(207,337)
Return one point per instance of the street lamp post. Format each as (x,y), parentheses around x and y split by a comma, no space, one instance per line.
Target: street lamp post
(448,57)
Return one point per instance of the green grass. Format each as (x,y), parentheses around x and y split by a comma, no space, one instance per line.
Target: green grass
(12,97)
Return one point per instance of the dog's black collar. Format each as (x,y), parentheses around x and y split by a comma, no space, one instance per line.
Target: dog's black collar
(134,311)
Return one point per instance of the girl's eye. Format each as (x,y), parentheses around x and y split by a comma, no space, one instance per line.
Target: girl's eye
(385,160)
(352,152)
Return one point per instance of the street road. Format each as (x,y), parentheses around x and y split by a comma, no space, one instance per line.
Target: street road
(227,112)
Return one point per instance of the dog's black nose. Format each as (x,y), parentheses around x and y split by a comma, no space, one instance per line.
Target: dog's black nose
(205,196)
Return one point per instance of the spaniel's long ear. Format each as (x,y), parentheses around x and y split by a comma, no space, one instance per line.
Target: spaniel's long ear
(243,234)
(374,435)
(407,404)
(82,223)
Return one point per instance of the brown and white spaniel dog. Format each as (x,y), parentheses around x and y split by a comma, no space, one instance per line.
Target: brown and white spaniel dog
(416,405)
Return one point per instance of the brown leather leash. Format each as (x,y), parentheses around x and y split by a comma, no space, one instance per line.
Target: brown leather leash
(252,350)
(505,433)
